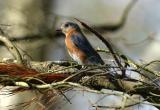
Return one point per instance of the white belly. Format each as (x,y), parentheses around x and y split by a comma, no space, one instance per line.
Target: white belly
(76,58)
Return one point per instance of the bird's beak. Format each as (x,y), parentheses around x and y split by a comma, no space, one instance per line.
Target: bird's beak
(59,30)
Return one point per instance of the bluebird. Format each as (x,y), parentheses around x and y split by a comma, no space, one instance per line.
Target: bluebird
(78,46)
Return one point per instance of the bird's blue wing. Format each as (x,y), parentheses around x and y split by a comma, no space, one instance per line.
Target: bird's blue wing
(82,43)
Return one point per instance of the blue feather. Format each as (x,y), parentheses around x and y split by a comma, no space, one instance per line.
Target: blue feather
(83,44)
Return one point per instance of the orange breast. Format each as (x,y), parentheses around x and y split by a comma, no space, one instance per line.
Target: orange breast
(72,47)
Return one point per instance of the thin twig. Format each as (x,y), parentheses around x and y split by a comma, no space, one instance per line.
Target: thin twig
(12,49)
(85,70)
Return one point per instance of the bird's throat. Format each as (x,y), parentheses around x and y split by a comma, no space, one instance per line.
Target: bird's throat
(71,31)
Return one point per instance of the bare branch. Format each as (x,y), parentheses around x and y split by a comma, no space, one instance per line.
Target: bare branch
(12,49)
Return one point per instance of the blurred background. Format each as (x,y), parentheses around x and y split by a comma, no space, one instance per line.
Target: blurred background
(31,25)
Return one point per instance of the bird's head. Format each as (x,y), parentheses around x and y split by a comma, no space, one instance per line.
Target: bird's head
(68,26)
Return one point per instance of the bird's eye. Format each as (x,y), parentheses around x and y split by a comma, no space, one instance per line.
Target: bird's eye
(66,25)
